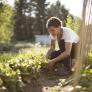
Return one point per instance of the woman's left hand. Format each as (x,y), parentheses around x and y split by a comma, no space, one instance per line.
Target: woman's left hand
(51,64)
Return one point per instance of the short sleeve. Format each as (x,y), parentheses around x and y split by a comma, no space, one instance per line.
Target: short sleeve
(68,36)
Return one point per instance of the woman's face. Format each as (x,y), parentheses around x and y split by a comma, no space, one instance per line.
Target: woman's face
(54,31)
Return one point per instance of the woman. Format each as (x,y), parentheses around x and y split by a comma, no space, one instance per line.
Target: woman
(67,40)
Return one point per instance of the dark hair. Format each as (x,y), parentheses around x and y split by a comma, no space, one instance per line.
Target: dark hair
(54,21)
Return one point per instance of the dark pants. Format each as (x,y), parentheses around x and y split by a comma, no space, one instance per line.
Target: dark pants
(67,62)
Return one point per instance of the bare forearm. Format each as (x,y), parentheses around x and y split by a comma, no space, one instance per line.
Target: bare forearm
(66,53)
(49,52)
(61,56)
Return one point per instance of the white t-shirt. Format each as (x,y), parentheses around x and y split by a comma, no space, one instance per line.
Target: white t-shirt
(68,35)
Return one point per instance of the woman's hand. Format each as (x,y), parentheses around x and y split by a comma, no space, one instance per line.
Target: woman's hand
(51,64)
(47,56)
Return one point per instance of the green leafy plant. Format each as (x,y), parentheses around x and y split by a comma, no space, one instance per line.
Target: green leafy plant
(20,68)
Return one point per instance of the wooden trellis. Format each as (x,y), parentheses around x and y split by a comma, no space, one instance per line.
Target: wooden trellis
(85,45)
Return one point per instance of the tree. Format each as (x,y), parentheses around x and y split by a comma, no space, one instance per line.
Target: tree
(23,21)
(40,15)
(76,24)
(73,23)
(6,22)
(58,10)
(69,22)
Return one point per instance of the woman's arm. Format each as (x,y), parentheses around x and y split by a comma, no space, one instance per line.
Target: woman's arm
(52,48)
(66,53)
